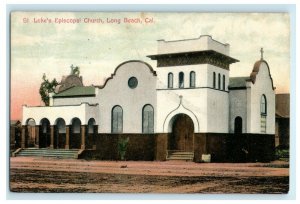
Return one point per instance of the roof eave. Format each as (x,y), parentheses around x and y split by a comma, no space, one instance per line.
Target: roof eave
(157,56)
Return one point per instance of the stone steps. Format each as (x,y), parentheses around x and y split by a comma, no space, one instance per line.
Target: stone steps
(58,153)
(180,155)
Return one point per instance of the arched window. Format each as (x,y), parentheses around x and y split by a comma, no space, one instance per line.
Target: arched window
(117,120)
(238,125)
(263,105)
(170,80)
(223,82)
(181,80)
(148,119)
(219,81)
(192,79)
(214,80)
(263,114)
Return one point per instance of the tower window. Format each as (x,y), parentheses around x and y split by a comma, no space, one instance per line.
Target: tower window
(170,80)
(219,81)
(181,80)
(223,82)
(192,79)
(214,80)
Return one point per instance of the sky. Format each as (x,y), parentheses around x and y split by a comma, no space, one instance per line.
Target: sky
(39,46)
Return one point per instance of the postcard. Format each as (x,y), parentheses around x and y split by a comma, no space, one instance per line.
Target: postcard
(145,102)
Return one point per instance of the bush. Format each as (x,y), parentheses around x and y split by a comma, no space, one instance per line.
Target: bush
(282,154)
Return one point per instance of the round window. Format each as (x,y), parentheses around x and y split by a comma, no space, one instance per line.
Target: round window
(132,82)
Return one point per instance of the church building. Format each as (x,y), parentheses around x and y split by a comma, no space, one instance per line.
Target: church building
(186,107)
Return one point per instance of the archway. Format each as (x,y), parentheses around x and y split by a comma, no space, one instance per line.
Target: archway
(238,125)
(182,136)
(30,134)
(90,134)
(75,136)
(60,134)
(44,133)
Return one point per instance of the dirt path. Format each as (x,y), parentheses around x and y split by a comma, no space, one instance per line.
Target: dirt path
(55,175)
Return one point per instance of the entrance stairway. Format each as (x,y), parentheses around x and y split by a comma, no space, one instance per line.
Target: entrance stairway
(57,153)
(180,155)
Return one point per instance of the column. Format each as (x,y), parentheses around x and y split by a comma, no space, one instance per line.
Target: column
(37,136)
(24,127)
(51,136)
(67,137)
(83,136)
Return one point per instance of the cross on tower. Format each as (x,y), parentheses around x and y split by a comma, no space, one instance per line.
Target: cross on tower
(261,53)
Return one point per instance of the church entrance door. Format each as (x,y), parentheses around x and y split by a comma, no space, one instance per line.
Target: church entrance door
(182,136)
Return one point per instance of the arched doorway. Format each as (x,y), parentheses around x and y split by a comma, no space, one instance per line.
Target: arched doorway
(90,134)
(75,136)
(60,134)
(44,133)
(182,136)
(238,125)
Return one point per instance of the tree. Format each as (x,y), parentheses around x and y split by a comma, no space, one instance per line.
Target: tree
(122,147)
(46,88)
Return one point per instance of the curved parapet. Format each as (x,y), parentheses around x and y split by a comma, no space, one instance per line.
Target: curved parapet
(122,64)
(255,70)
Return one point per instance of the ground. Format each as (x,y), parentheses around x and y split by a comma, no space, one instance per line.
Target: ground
(29,174)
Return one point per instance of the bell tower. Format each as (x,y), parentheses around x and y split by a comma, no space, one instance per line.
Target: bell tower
(198,70)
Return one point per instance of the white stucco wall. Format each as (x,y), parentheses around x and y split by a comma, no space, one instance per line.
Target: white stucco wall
(193,104)
(238,107)
(84,112)
(262,85)
(217,111)
(132,101)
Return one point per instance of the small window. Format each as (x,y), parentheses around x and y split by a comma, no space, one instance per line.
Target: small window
(132,82)
(219,81)
(117,120)
(181,80)
(170,80)
(214,80)
(192,79)
(223,82)
(148,119)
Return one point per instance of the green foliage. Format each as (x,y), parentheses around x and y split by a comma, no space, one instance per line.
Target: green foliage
(46,88)
(282,154)
(122,147)
(75,70)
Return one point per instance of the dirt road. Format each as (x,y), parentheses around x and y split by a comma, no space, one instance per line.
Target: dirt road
(56,175)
